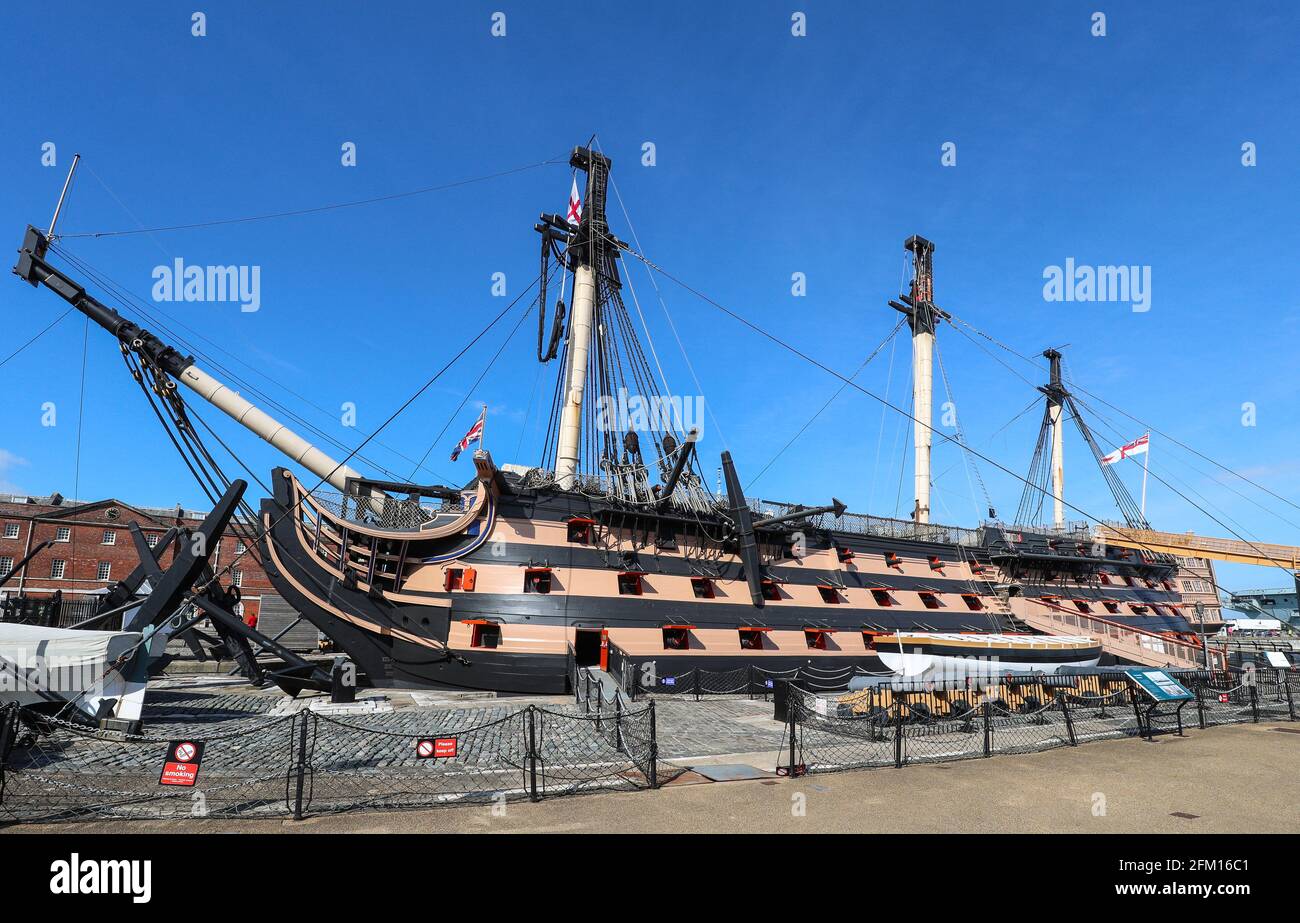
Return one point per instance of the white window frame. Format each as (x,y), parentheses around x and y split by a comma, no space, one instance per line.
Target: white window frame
(11,530)
(6,565)
(151,539)
(58,569)
(237,576)
(104,571)
(63,534)
(110,537)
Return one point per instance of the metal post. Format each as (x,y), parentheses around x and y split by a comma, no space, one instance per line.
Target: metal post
(898,739)
(618,723)
(1200,704)
(696,674)
(532,754)
(749,684)
(1254,703)
(987,709)
(1143,730)
(586,692)
(792,730)
(600,702)
(1290,701)
(654,748)
(1069,722)
(301,767)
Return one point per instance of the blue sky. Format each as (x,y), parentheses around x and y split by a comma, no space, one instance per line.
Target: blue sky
(775,154)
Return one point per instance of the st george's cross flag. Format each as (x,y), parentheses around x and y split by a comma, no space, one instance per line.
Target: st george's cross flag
(574,216)
(1136,447)
(475,434)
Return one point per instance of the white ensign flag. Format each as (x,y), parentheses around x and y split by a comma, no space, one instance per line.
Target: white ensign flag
(1136,447)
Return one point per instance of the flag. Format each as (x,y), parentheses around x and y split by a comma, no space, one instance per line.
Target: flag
(574,217)
(1136,447)
(475,434)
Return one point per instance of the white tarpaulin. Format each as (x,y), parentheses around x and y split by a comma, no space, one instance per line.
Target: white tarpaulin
(51,664)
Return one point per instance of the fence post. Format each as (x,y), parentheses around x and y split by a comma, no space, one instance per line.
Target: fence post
(1290,701)
(586,689)
(532,753)
(898,738)
(618,723)
(696,674)
(793,730)
(300,768)
(654,748)
(1254,703)
(987,710)
(749,680)
(600,702)
(1069,722)
(1200,704)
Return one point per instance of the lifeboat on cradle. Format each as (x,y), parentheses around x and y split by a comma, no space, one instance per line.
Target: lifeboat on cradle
(948,656)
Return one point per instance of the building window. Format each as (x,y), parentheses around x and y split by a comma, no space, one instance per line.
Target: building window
(537,580)
(11,530)
(629,583)
(6,565)
(829,593)
(240,547)
(702,587)
(929,600)
(237,577)
(57,567)
(486,635)
(751,639)
(105,568)
(151,539)
(882,597)
(972,601)
(63,534)
(110,537)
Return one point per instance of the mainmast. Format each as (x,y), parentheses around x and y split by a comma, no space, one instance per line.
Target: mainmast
(1056,394)
(583,254)
(922,315)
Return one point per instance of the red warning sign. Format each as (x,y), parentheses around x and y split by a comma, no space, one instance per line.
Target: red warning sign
(438,748)
(182,764)
(1223,697)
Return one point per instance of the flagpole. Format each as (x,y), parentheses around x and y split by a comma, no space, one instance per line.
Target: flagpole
(482,437)
(1146,461)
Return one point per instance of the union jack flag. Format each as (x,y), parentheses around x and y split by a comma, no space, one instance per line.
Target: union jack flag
(475,434)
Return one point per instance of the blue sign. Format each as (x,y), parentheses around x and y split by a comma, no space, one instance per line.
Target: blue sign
(768,683)
(670,681)
(1159,685)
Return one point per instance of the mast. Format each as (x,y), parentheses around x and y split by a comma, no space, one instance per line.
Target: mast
(583,252)
(33,269)
(922,316)
(1055,392)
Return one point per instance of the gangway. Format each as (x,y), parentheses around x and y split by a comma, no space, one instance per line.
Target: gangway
(1188,544)
(1136,645)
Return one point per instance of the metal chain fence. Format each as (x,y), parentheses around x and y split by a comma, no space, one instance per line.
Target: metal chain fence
(311,763)
(751,681)
(893,725)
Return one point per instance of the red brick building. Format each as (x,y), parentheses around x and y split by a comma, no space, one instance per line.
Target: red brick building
(93,548)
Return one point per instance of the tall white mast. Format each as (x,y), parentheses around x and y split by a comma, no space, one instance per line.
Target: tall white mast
(1055,392)
(587,242)
(921,315)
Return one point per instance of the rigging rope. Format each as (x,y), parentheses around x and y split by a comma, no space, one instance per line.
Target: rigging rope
(320,208)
